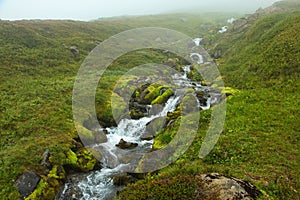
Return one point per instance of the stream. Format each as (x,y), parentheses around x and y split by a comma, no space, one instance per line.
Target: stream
(97,185)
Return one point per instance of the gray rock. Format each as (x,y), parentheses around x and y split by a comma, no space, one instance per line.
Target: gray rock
(27,183)
(229,187)
(74,51)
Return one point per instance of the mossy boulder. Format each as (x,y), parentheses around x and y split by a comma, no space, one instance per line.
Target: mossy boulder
(145,95)
(49,185)
(151,93)
(163,98)
(85,160)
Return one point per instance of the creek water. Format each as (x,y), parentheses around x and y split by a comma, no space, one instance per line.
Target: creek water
(97,185)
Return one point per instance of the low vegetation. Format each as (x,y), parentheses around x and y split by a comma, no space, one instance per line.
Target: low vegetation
(260,142)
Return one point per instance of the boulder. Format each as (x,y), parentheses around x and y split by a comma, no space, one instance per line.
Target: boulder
(126,145)
(27,183)
(229,187)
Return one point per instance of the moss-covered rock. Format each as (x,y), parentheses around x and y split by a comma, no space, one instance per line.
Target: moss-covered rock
(49,185)
(163,98)
(151,93)
(85,160)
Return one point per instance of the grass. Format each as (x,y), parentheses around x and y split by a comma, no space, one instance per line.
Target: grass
(36,82)
(260,142)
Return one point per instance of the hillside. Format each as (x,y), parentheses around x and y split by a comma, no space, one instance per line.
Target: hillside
(259,57)
(37,76)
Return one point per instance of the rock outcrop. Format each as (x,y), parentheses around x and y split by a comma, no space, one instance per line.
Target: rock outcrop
(229,188)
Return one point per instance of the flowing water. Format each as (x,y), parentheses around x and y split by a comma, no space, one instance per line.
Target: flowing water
(99,184)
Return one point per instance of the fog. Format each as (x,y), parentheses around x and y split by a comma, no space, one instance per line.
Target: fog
(94,9)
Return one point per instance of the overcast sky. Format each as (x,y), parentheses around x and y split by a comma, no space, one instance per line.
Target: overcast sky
(93,9)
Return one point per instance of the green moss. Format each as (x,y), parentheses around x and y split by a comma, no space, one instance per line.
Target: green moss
(179,186)
(164,136)
(38,192)
(57,172)
(163,98)
(71,158)
(229,91)
(86,161)
(153,92)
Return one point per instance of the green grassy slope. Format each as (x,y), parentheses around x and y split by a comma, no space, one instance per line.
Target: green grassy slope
(266,55)
(36,82)
(261,139)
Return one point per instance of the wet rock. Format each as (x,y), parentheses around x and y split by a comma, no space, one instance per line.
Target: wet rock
(229,187)
(27,183)
(147,136)
(123,179)
(45,161)
(155,109)
(154,126)
(126,145)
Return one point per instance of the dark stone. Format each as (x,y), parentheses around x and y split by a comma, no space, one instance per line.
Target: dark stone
(126,145)
(147,136)
(98,166)
(27,183)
